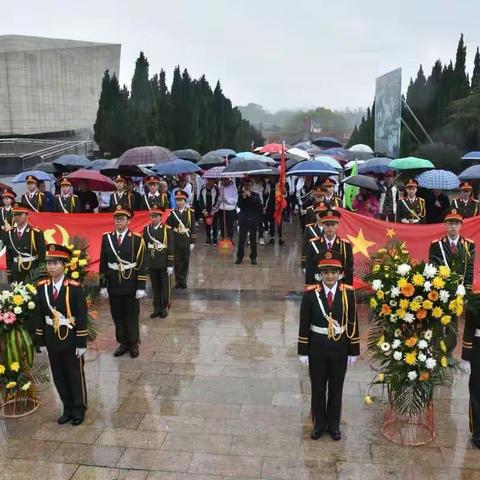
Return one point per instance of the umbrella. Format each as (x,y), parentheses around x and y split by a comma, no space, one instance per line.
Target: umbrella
(210,160)
(270,148)
(331,161)
(271,171)
(360,147)
(376,165)
(224,152)
(351,163)
(410,163)
(298,152)
(335,151)
(127,170)
(215,172)
(246,167)
(94,180)
(36,173)
(312,167)
(188,154)
(100,163)
(253,156)
(176,167)
(145,156)
(349,156)
(471,156)
(72,162)
(47,167)
(293,161)
(438,180)
(363,181)
(326,142)
(471,173)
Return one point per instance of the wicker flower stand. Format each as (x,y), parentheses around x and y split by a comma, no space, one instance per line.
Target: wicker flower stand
(18,406)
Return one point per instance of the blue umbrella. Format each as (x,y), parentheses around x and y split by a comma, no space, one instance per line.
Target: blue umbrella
(335,151)
(438,180)
(253,156)
(375,165)
(470,173)
(225,152)
(21,177)
(100,163)
(72,161)
(312,167)
(176,167)
(471,156)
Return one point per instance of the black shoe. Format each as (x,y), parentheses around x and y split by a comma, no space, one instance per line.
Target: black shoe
(238,261)
(154,315)
(134,353)
(254,262)
(316,433)
(272,241)
(178,285)
(183,285)
(77,421)
(336,435)
(163,314)
(281,242)
(476,442)
(64,419)
(121,350)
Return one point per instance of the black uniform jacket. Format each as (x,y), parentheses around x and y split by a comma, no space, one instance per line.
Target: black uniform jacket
(467,209)
(72,304)
(162,199)
(344,304)
(159,243)
(69,204)
(6,217)
(36,203)
(183,225)
(126,200)
(407,210)
(312,231)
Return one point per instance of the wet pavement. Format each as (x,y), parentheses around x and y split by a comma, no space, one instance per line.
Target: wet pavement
(218,393)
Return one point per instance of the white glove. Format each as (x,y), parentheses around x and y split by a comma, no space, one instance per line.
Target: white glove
(465,366)
(304,270)
(80,352)
(303,360)
(43,350)
(140,294)
(169,270)
(192,246)
(104,292)
(351,360)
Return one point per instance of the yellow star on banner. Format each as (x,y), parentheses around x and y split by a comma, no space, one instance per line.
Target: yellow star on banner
(390,232)
(360,244)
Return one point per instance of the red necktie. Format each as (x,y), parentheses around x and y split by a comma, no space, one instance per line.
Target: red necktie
(119,240)
(330,299)
(453,248)
(329,247)
(55,293)
(19,234)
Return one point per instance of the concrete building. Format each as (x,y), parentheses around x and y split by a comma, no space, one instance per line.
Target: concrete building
(51,85)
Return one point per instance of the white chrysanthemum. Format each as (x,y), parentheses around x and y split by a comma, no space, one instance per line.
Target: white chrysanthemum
(393,317)
(444,296)
(461,290)
(385,347)
(412,375)
(431,363)
(394,292)
(409,317)
(422,344)
(403,269)
(397,356)
(393,303)
(31,305)
(397,332)
(422,357)
(427,286)
(17,310)
(428,335)
(429,271)
(396,343)
(377,285)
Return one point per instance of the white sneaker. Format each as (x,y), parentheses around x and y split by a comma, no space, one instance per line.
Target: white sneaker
(262,241)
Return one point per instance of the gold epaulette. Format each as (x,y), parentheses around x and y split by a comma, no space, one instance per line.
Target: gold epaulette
(470,240)
(314,239)
(35,229)
(420,199)
(137,234)
(345,241)
(70,281)
(346,286)
(106,233)
(46,281)
(166,226)
(311,287)
(310,225)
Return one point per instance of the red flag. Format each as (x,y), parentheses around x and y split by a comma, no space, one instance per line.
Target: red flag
(280,201)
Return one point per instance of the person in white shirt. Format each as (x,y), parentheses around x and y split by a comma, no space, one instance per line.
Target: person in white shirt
(227,205)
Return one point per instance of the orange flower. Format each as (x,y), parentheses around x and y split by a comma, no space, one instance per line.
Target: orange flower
(94,314)
(421,314)
(411,342)
(424,376)
(408,290)
(433,296)
(386,310)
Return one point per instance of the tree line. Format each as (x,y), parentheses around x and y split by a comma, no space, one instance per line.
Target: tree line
(188,115)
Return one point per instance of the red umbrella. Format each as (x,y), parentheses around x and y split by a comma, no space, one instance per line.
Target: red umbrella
(93,179)
(270,148)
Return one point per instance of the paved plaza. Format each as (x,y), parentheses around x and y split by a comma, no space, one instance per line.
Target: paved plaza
(218,393)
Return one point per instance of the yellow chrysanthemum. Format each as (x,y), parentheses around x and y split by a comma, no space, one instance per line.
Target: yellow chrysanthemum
(403,303)
(75,275)
(83,262)
(459,310)
(376,267)
(380,294)
(444,362)
(414,305)
(2,369)
(443,347)
(459,300)
(31,288)
(418,280)
(17,300)
(453,305)
(73,261)
(437,312)
(11,385)
(444,271)
(446,319)
(15,367)
(438,282)
(402,283)
(400,313)
(77,253)
(381,377)
(427,305)
(411,358)
(373,303)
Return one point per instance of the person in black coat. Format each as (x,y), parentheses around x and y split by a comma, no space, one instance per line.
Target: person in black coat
(328,341)
(208,204)
(88,199)
(251,211)
(436,203)
(61,332)
(6,212)
(66,201)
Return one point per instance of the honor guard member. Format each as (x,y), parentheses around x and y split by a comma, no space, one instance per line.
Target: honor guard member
(154,196)
(317,197)
(458,253)
(158,238)
(123,279)
(61,332)
(6,212)
(466,205)
(183,223)
(66,201)
(312,232)
(25,245)
(328,341)
(121,196)
(411,209)
(329,242)
(331,200)
(34,199)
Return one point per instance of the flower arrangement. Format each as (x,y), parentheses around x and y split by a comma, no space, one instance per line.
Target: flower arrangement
(414,306)
(14,380)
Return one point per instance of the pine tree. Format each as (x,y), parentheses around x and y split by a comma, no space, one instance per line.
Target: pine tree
(476,71)
(105,105)
(460,86)
(162,98)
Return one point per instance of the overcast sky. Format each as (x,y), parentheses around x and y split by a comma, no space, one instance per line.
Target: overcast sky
(278,53)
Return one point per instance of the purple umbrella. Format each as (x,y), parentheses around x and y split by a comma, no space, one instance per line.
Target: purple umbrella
(145,156)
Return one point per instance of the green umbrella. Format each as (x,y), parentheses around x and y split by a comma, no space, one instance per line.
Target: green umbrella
(410,163)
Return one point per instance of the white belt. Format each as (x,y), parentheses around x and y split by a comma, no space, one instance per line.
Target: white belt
(477,332)
(24,259)
(122,266)
(159,246)
(324,330)
(62,321)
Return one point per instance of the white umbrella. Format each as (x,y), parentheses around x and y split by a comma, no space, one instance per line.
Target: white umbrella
(331,161)
(299,153)
(360,147)
(350,164)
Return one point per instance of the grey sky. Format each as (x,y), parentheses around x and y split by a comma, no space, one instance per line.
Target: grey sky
(277,53)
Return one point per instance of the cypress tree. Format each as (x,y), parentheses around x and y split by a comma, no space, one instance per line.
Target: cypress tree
(476,71)
(105,105)
(460,85)
(162,98)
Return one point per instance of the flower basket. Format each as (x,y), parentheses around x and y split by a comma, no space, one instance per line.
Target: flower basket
(18,406)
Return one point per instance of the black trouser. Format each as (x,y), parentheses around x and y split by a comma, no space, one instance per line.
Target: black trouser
(182,263)
(160,289)
(69,379)
(249,227)
(327,371)
(211,229)
(387,217)
(125,310)
(474,389)
(226,223)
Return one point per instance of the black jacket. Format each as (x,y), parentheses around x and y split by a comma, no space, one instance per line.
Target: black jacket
(70,204)
(88,201)
(126,200)
(158,255)
(251,209)
(36,203)
(162,199)
(181,238)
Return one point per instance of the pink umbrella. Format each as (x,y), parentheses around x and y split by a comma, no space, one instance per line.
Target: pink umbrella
(216,172)
(93,179)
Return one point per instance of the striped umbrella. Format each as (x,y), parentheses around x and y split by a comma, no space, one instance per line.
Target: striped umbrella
(438,180)
(149,155)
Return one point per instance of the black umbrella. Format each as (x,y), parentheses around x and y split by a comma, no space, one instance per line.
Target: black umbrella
(72,162)
(364,181)
(351,156)
(47,167)
(188,154)
(128,171)
(210,160)
(247,167)
(326,142)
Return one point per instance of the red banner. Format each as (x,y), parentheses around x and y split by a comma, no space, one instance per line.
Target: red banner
(280,202)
